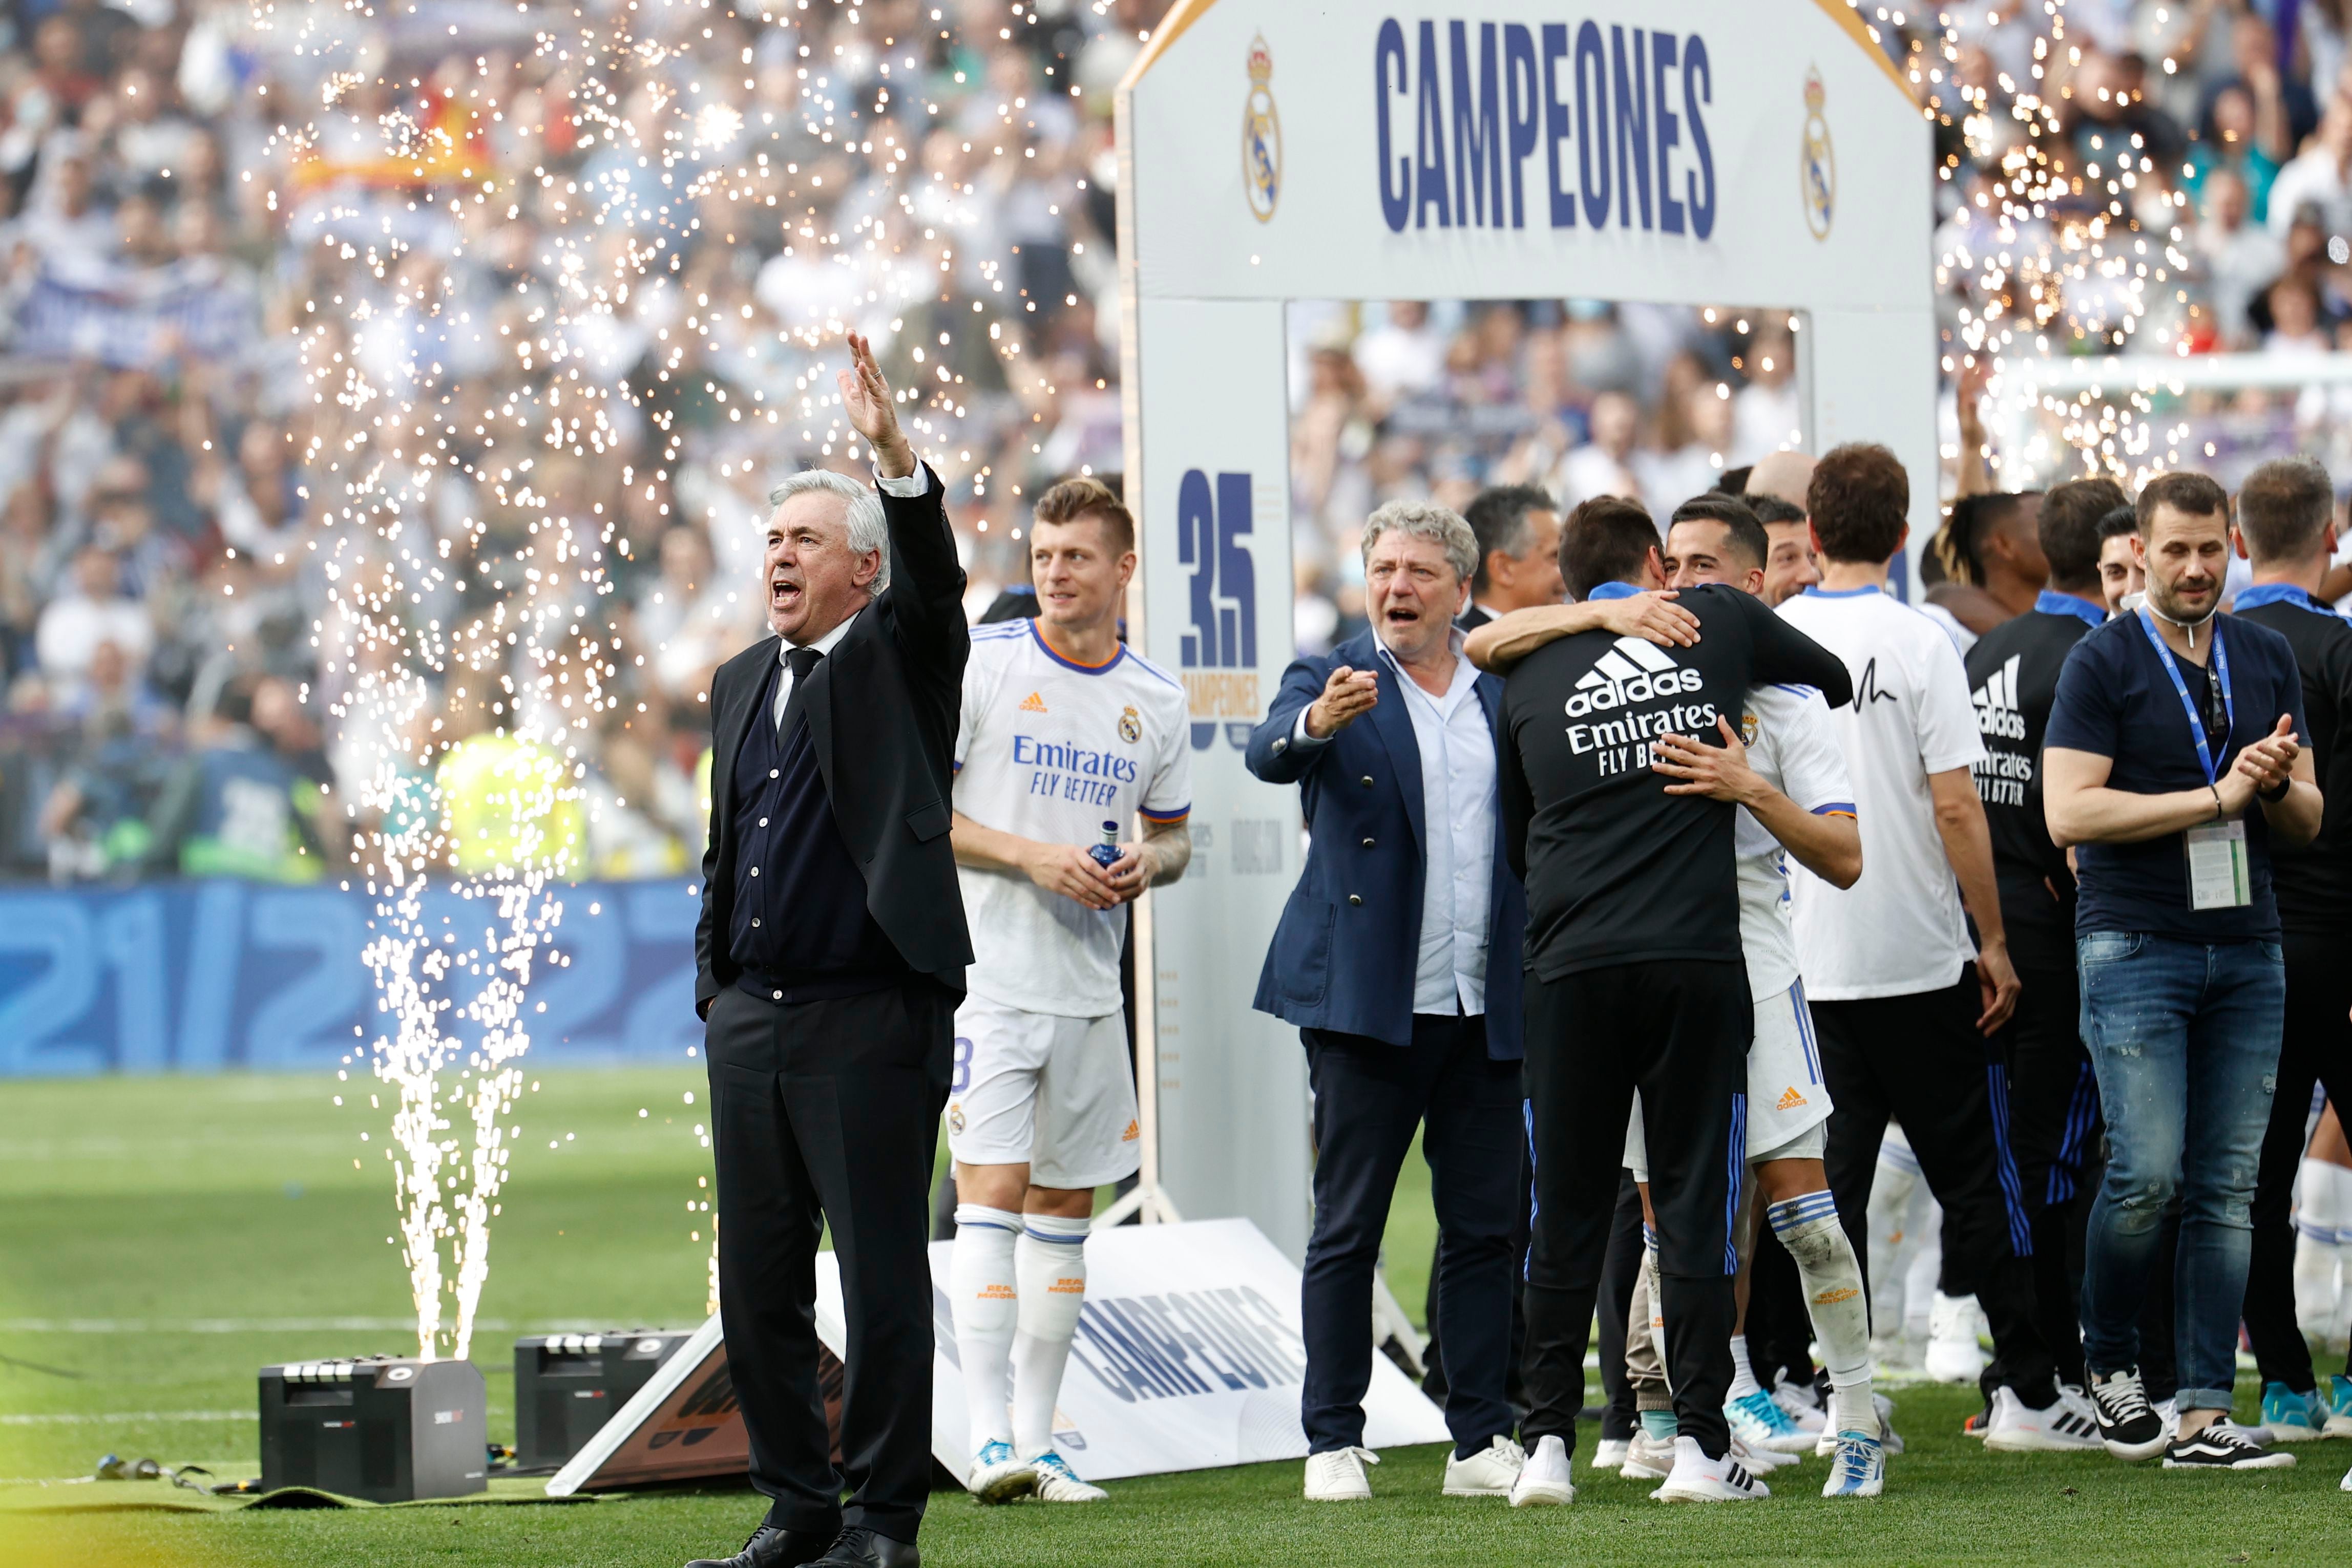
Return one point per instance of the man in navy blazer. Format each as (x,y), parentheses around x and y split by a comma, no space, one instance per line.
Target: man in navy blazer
(1398,958)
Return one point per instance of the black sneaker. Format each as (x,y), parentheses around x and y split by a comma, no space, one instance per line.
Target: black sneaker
(2223,1447)
(2128,1427)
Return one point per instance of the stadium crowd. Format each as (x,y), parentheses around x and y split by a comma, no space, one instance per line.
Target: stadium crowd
(164,614)
(158,496)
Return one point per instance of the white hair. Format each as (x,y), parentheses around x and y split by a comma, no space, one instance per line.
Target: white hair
(1426,520)
(868,529)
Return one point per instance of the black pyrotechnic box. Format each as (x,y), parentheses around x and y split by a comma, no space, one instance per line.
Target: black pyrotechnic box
(567,1385)
(383,1428)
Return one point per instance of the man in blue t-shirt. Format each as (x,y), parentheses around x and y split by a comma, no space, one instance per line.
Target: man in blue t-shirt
(2172,760)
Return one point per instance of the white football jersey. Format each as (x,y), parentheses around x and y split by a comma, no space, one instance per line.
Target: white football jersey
(1792,743)
(1051,750)
(1899,930)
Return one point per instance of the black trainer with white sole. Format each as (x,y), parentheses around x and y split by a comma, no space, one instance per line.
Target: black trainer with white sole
(2128,1427)
(2223,1447)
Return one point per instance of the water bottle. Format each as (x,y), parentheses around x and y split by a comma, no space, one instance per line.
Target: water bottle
(1105,851)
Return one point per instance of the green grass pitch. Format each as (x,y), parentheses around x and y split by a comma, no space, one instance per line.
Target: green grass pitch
(164,1238)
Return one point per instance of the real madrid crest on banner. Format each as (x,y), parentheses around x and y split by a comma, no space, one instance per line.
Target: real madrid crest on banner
(1818,167)
(1261,135)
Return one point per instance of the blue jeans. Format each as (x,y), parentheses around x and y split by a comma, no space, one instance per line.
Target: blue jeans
(2184,1037)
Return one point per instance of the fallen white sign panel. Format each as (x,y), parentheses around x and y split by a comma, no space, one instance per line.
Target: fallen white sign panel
(1188,1357)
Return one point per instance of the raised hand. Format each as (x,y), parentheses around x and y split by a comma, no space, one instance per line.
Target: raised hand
(873,413)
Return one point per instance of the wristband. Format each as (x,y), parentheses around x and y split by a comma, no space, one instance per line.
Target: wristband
(2219,811)
(2274,800)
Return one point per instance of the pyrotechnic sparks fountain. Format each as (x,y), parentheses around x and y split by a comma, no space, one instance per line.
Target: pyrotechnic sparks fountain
(496,250)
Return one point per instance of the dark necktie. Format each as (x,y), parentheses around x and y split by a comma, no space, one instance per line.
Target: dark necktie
(800,661)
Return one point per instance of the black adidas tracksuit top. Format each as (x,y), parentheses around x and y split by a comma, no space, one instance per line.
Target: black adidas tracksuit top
(1618,870)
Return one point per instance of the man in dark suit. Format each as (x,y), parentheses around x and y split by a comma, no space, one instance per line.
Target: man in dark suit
(1399,959)
(1517,527)
(829,961)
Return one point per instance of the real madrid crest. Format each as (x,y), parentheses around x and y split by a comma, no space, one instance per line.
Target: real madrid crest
(1748,728)
(1130,726)
(1261,135)
(1817,166)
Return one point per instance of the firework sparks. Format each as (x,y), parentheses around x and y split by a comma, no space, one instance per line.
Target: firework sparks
(598,260)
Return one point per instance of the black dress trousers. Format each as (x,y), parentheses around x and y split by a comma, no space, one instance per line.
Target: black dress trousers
(828,1112)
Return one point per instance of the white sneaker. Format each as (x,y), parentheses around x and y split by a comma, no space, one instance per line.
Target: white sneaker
(1953,1353)
(2346,1484)
(1648,1458)
(1887,1435)
(2016,1429)
(1859,1468)
(1760,1461)
(1542,1478)
(999,1475)
(1057,1482)
(1698,1478)
(1339,1475)
(1487,1473)
(1797,1402)
(1609,1453)
(1758,1420)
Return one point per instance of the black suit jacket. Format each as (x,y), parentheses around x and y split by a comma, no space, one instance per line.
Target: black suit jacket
(1473,618)
(882,712)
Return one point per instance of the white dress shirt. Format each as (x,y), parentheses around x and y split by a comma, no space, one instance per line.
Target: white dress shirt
(1458,811)
(914,484)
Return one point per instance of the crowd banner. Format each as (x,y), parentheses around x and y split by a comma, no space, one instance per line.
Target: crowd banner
(1724,153)
(199,976)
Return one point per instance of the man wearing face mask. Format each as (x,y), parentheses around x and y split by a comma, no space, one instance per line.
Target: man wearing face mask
(2173,759)
(2122,579)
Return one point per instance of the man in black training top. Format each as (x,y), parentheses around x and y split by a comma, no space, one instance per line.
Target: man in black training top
(2286,529)
(2053,1098)
(1636,978)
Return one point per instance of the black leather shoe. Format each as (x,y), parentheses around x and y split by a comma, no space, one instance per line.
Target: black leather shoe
(771,1548)
(864,1548)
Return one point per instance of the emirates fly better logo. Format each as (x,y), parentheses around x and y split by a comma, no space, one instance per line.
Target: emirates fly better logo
(1633,675)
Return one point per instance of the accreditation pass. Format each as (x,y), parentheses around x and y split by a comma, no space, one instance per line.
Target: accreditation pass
(2218,873)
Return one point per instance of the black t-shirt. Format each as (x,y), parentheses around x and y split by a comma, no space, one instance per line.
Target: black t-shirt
(1618,870)
(2313,880)
(2116,701)
(2012,678)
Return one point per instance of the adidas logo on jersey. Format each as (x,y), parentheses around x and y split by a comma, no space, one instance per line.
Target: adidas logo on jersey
(1790,1100)
(1996,700)
(1033,703)
(1632,671)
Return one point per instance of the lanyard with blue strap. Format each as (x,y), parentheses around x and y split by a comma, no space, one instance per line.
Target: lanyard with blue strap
(2220,876)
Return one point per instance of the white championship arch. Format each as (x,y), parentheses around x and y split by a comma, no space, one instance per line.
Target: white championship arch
(1737,153)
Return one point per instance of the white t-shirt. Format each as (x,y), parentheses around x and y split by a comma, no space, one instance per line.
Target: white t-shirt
(1898,931)
(1792,742)
(1052,750)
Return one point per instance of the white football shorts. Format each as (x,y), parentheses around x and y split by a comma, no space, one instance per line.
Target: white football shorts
(1787,1103)
(1057,1093)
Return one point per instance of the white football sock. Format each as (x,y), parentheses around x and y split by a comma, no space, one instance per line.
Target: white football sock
(2321,1217)
(1050,1262)
(1808,1227)
(982,1293)
(1743,1377)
